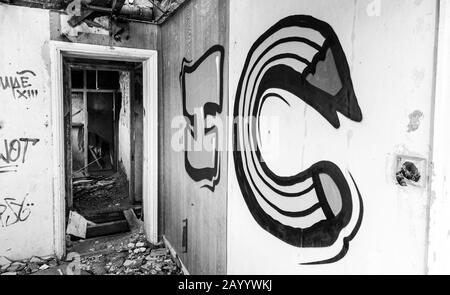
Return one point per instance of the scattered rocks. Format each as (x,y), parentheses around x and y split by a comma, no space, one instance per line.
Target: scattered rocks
(130,254)
(4,261)
(98,269)
(16,266)
(159,252)
(33,267)
(44,267)
(5,267)
(37,260)
(139,250)
(53,263)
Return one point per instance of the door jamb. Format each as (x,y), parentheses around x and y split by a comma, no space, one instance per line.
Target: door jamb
(438,256)
(149,59)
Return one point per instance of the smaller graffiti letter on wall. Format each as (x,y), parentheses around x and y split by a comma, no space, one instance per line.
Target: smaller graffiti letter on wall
(13,211)
(202,94)
(20,85)
(15,151)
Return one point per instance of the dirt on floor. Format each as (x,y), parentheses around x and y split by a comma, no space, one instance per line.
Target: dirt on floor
(93,195)
(126,254)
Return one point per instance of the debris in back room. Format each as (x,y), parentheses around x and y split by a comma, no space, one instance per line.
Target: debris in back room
(94,195)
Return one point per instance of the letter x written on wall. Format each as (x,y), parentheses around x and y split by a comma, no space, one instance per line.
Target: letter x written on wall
(20,85)
(299,58)
(202,95)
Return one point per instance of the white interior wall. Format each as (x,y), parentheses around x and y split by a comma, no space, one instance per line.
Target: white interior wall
(389,47)
(26,196)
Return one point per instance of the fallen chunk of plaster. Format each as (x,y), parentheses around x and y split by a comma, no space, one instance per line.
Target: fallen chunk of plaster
(77,225)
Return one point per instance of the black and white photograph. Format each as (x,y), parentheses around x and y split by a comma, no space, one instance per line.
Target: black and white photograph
(198,138)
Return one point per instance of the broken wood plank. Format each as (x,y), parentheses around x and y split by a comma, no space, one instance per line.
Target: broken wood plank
(133,222)
(96,159)
(105,229)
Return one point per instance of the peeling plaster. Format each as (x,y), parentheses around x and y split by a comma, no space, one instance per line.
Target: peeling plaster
(414,121)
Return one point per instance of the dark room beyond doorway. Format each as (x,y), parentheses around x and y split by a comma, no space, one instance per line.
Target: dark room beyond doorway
(103,103)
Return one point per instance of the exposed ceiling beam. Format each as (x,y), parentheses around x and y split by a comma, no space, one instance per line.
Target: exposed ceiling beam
(153,11)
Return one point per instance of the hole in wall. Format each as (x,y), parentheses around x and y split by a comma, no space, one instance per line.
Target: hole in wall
(408,171)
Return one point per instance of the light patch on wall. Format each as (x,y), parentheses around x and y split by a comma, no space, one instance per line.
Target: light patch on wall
(373,8)
(418,76)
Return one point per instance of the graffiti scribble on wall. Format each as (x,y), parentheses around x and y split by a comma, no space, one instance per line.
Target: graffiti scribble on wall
(202,95)
(15,151)
(13,211)
(20,85)
(303,56)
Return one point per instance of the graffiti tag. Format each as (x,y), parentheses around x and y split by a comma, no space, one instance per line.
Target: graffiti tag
(20,85)
(202,98)
(15,152)
(13,211)
(312,67)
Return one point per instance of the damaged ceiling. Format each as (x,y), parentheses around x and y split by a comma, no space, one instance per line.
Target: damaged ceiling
(153,11)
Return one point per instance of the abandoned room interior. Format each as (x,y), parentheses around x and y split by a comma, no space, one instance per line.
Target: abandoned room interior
(104,149)
(145,137)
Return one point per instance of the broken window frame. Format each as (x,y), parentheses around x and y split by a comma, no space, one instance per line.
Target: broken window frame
(84,67)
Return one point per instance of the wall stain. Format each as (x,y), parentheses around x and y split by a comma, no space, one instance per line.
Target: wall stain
(414,121)
(418,76)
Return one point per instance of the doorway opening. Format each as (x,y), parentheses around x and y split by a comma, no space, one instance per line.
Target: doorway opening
(60,54)
(103,140)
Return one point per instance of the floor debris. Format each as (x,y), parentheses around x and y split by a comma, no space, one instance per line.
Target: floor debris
(125,254)
(77,225)
(93,195)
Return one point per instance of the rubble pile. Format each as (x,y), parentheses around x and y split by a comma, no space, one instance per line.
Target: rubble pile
(92,195)
(137,257)
(26,267)
(130,254)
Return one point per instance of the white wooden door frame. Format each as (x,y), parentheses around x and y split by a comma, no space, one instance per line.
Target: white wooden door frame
(149,59)
(438,256)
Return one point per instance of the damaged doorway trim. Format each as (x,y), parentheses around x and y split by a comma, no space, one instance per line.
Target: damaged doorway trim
(149,59)
(438,229)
